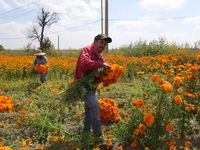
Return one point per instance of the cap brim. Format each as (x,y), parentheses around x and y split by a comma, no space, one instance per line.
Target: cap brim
(108,39)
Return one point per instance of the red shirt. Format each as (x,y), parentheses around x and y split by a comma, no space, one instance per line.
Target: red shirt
(88,60)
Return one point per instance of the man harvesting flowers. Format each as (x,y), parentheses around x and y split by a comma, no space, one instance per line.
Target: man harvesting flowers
(41,60)
(89,61)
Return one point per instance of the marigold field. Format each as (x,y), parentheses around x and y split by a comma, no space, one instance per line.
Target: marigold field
(154,104)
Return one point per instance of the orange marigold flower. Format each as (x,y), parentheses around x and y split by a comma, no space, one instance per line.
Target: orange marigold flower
(135,143)
(188,144)
(155,78)
(167,87)
(142,135)
(172,143)
(178,99)
(120,148)
(5,148)
(108,110)
(177,80)
(198,111)
(78,115)
(117,119)
(126,115)
(142,127)
(135,103)
(149,119)
(169,127)
(193,69)
(179,90)
(198,57)
(140,103)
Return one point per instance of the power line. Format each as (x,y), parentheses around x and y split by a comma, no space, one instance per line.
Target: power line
(19,7)
(60,30)
(21,14)
(75,27)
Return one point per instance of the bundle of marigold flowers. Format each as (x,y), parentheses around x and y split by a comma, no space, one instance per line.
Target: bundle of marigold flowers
(78,89)
(108,110)
(42,68)
(6,104)
(111,75)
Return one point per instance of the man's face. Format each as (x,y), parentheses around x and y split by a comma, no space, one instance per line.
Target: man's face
(100,44)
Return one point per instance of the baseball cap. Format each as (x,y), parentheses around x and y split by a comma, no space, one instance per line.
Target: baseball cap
(103,37)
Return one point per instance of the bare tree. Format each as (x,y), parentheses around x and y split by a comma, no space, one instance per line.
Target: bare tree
(44,19)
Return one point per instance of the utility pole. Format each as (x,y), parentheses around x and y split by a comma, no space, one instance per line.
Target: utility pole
(106,22)
(58,42)
(101,17)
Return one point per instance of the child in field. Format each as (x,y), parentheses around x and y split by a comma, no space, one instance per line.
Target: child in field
(41,59)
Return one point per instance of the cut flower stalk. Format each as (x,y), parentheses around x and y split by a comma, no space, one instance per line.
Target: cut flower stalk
(78,89)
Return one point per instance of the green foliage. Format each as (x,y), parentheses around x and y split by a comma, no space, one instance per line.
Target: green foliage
(2,48)
(142,48)
(28,49)
(47,46)
(79,89)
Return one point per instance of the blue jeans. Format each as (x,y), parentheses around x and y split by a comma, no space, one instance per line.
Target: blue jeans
(43,77)
(92,118)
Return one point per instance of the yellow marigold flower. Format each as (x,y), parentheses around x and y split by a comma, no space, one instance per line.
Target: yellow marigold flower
(178,99)
(188,144)
(155,78)
(149,119)
(169,127)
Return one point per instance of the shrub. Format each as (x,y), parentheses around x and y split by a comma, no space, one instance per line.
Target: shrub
(1,48)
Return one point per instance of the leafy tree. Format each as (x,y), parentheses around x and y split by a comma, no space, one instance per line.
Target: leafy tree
(47,46)
(44,19)
(1,48)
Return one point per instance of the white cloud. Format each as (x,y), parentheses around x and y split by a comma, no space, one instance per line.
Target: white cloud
(76,10)
(197,29)
(180,38)
(65,21)
(4,5)
(11,39)
(162,5)
(192,20)
(95,4)
(169,19)
(140,23)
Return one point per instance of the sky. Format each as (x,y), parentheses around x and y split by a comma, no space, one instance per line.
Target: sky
(129,21)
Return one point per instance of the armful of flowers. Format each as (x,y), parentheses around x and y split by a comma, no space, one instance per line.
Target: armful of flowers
(78,89)
(42,68)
